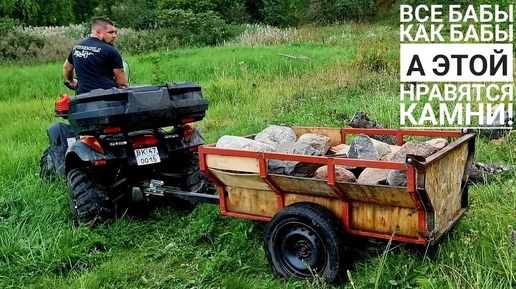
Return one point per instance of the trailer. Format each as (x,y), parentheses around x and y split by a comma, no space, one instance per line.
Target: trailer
(310,220)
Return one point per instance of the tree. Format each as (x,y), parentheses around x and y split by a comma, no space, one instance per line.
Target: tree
(39,12)
(84,10)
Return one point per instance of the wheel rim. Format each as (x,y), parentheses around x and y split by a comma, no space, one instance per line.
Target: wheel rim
(300,250)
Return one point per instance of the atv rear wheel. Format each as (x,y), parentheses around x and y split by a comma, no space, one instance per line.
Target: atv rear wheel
(194,179)
(89,202)
(47,169)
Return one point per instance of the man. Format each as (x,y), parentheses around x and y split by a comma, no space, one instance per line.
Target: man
(97,63)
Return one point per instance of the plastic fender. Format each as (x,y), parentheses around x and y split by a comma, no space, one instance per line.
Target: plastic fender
(196,139)
(81,152)
(58,135)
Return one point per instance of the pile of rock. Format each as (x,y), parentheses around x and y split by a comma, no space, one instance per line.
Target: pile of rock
(282,139)
(365,148)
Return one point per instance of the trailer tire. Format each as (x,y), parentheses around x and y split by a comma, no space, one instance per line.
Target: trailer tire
(305,240)
(89,202)
(47,170)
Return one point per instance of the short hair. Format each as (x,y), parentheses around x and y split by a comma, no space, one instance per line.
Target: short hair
(101,23)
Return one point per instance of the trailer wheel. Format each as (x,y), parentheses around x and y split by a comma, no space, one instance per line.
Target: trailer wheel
(89,202)
(305,240)
(47,170)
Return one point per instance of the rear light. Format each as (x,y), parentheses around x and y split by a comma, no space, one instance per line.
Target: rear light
(187,120)
(112,130)
(187,132)
(92,142)
(144,141)
(193,149)
(100,163)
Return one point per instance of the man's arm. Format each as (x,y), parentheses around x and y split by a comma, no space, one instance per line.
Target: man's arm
(120,78)
(68,73)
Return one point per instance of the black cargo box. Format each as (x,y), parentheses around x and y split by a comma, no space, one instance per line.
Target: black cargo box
(135,108)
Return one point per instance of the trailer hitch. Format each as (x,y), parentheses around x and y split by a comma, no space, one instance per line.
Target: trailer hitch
(157,188)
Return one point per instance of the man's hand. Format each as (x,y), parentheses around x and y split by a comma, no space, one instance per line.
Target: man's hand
(68,75)
(72,84)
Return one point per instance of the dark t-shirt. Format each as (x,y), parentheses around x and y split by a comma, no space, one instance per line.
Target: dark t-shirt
(94,61)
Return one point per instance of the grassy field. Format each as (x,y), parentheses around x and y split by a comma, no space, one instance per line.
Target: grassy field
(331,72)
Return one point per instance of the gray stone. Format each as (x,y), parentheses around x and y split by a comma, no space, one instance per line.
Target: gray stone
(397,178)
(341,174)
(381,148)
(483,173)
(276,134)
(387,157)
(292,168)
(242,143)
(490,130)
(319,142)
(363,148)
(361,120)
(438,143)
(373,176)
(414,148)
(342,149)
(296,148)
(394,148)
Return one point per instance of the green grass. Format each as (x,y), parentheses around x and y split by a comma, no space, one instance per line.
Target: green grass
(248,89)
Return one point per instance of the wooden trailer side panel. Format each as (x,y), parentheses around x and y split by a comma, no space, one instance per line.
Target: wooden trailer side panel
(384,219)
(264,202)
(248,181)
(304,186)
(377,194)
(334,205)
(233,163)
(251,201)
(443,184)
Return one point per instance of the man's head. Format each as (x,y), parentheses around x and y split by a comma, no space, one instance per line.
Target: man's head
(104,30)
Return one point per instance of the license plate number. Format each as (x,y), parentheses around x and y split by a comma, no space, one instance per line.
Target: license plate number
(147,156)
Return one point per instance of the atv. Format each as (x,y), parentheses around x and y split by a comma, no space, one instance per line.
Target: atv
(124,145)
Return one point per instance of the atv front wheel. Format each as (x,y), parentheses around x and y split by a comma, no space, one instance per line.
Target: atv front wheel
(89,202)
(47,169)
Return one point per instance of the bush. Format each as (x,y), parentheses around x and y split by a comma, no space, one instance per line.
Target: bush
(39,44)
(343,10)
(190,28)
(292,13)
(372,55)
(8,24)
(145,41)
(15,45)
(135,14)
(285,13)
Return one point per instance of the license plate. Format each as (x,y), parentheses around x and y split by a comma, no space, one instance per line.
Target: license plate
(147,156)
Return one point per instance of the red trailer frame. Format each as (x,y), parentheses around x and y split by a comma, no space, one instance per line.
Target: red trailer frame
(434,199)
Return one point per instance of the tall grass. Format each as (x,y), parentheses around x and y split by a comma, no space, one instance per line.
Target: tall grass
(248,89)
